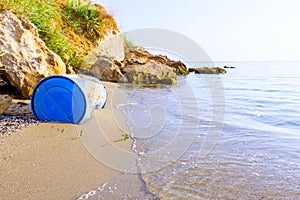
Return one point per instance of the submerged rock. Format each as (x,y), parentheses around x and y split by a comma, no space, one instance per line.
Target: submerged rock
(5,101)
(208,70)
(24,57)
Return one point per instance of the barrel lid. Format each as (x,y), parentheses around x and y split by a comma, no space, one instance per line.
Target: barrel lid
(58,99)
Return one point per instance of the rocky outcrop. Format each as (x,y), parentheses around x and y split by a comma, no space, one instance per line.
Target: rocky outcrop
(106,69)
(150,73)
(138,67)
(208,70)
(142,67)
(112,46)
(139,55)
(5,101)
(104,60)
(24,57)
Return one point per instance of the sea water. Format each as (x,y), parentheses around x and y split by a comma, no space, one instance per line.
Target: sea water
(229,136)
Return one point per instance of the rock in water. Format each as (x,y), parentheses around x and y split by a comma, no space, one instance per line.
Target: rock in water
(227,67)
(24,56)
(5,102)
(208,70)
(151,73)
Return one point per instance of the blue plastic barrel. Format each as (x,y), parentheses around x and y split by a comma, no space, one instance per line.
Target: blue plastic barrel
(67,98)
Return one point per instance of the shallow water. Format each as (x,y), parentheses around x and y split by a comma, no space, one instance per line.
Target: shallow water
(234,136)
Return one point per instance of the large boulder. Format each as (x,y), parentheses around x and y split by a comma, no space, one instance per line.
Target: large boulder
(151,73)
(24,57)
(106,69)
(5,101)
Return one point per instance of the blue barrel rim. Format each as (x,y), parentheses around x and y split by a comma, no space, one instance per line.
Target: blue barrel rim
(106,94)
(46,79)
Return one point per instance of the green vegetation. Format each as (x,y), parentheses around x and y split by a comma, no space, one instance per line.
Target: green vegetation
(84,18)
(124,138)
(70,28)
(127,43)
(75,138)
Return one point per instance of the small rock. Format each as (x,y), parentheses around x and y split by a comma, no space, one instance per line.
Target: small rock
(5,102)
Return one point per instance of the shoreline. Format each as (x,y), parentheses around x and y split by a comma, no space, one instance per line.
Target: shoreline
(49,160)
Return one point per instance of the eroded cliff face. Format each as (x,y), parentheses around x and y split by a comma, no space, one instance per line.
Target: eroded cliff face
(24,58)
(111,46)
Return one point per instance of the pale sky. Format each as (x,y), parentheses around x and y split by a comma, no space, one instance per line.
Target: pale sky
(228,30)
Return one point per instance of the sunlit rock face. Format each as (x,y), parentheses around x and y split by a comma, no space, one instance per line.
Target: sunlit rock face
(24,57)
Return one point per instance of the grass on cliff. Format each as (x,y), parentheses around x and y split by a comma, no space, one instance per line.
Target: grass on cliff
(127,43)
(70,28)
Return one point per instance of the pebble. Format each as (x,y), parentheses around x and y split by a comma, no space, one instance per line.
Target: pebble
(256,174)
(92,193)
(10,124)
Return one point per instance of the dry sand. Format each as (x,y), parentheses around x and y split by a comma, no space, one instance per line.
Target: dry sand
(50,161)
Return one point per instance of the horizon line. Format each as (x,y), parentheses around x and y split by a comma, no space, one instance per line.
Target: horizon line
(248,61)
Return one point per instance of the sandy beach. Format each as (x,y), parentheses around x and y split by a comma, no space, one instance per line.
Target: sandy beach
(50,161)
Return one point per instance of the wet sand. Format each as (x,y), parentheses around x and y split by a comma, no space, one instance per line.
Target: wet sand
(50,160)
